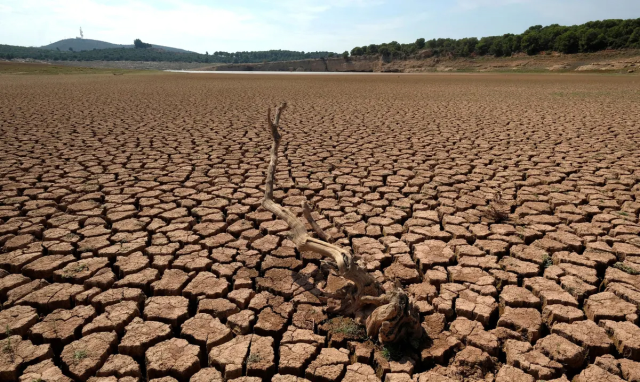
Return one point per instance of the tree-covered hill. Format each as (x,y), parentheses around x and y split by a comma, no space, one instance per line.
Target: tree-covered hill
(81,44)
(154,54)
(589,37)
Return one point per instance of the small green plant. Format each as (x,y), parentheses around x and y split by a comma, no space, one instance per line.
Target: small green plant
(348,327)
(625,268)
(74,270)
(80,268)
(7,347)
(547,261)
(79,354)
(253,358)
(392,352)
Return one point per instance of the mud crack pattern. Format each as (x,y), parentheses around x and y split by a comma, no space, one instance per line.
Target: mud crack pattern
(133,244)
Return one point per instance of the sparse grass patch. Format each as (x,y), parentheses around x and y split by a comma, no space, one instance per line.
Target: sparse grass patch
(80,267)
(392,352)
(253,358)
(346,326)
(74,270)
(79,355)
(397,351)
(547,261)
(7,347)
(625,268)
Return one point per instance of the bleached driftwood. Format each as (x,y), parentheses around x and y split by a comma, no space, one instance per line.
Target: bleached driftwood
(388,316)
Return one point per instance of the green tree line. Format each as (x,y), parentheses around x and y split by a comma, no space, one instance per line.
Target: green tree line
(589,37)
(152,54)
(138,44)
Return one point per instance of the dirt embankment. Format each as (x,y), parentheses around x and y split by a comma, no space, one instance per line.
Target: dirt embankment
(608,61)
(617,61)
(311,65)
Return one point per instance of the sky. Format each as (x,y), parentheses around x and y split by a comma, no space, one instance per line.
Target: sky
(306,25)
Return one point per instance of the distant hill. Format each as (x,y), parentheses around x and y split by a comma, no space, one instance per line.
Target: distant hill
(82,44)
(113,52)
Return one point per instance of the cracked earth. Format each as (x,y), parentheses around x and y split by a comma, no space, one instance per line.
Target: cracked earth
(133,245)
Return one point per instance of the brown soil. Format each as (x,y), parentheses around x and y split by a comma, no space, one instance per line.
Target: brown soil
(133,244)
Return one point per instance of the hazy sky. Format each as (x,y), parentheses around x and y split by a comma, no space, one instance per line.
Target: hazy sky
(309,25)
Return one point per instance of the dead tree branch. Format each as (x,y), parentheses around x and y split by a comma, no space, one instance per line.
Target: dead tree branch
(389,316)
(306,212)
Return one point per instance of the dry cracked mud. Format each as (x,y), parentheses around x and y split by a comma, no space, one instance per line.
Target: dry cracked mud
(133,245)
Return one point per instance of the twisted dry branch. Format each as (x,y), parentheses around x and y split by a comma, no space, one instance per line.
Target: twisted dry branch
(389,316)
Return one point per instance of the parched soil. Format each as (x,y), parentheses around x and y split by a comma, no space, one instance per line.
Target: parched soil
(133,245)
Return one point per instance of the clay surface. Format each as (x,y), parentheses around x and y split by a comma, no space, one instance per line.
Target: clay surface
(133,244)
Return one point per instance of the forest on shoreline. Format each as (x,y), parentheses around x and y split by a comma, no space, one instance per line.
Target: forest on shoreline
(592,36)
